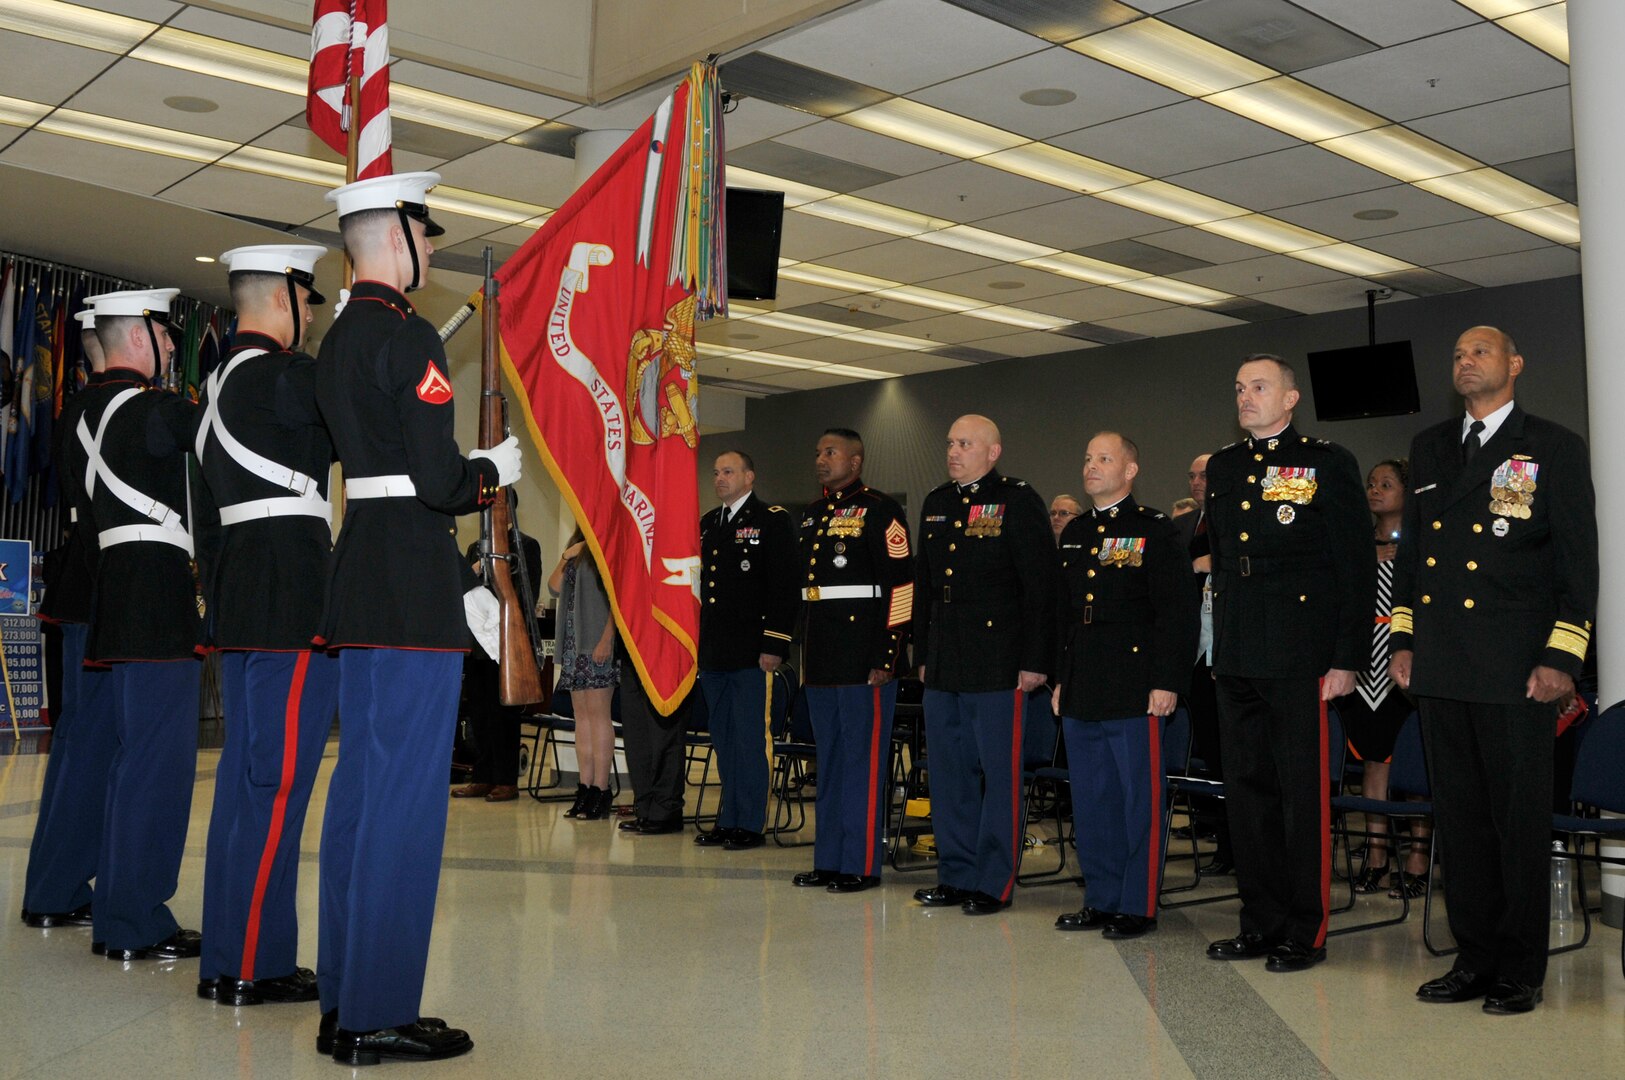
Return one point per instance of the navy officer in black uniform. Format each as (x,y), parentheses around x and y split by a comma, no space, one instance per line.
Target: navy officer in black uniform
(747,612)
(68,831)
(1294,575)
(395,611)
(265,455)
(1495,589)
(129,450)
(858,595)
(1130,630)
(984,623)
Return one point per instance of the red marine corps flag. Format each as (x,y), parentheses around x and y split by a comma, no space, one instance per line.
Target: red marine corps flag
(597,326)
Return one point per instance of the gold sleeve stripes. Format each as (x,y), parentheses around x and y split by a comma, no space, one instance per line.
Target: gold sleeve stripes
(902,605)
(1569,638)
(1400,621)
(776,634)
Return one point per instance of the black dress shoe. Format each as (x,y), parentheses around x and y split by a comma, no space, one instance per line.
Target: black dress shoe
(631,825)
(648,827)
(99,948)
(744,840)
(330,1025)
(1293,956)
(409,1042)
(1123,927)
(983,904)
(46,920)
(1457,984)
(1219,866)
(299,985)
(849,883)
(714,837)
(942,896)
(1087,919)
(1243,946)
(208,989)
(815,879)
(181,945)
(1509,997)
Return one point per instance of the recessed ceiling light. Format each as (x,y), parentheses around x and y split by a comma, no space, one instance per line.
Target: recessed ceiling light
(1049,95)
(1007,284)
(186,103)
(1376,215)
(203,258)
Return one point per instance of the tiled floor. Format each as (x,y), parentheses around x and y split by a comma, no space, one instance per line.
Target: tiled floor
(571,951)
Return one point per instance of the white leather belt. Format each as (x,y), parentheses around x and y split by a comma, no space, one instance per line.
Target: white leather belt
(380,487)
(131,534)
(841,592)
(286,506)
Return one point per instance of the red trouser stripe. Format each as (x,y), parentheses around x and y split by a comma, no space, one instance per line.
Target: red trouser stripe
(869,824)
(1015,790)
(273,839)
(1325,835)
(1153,864)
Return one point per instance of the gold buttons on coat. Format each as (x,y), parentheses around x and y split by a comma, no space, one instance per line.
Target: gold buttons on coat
(949,572)
(1252,479)
(990,624)
(1467,603)
(1100,528)
(1427,599)
(1245,505)
(1303,599)
(1091,573)
(1472,565)
(953,547)
(1432,561)
(1244,536)
(1438,524)
(1258,457)
(1088,596)
(1094,551)
(1476,528)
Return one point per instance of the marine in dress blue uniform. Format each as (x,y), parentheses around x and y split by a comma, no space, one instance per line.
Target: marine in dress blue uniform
(1495,590)
(265,455)
(1127,637)
(395,612)
(857,598)
(129,450)
(984,626)
(1294,584)
(68,831)
(748,600)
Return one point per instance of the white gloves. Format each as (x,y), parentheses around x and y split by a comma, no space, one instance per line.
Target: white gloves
(344,298)
(506,456)
(484,617)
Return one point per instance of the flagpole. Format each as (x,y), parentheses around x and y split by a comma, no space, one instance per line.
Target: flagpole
(350,156)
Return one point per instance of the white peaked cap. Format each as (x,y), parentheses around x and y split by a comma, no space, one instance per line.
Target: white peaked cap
(275,258)
(136,302)
(409,191)
(87,318)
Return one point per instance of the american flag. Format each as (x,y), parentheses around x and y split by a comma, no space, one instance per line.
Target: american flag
(351,37)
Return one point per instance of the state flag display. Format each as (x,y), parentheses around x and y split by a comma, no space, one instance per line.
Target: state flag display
(597,326)
(351,38)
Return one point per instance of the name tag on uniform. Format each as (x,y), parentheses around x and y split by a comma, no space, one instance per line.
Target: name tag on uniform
(985,520)
(1122,551)
(936,517)
(1284,484)
(1419,490)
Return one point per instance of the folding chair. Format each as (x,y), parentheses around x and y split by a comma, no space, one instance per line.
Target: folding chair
(1599,784)
(1407,775)
(793,750)
(556,729)
(1184,785)
(907,774)
(1047,782)
(699,750)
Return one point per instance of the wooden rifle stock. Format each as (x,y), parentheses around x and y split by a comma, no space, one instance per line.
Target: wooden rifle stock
(520,679)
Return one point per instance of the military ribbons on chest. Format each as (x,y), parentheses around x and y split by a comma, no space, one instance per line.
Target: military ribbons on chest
(1512,488)
(1288,484)
(747,532)
(1122,550)
(847,521)
(985,520)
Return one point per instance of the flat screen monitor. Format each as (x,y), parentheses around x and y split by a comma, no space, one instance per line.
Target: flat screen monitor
(1365,381)
(755,221)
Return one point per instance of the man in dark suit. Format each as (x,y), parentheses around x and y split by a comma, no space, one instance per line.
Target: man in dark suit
(1294,583)
(1495,587)
(747,612)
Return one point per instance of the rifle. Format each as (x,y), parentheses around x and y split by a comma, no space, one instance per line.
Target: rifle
(519,659)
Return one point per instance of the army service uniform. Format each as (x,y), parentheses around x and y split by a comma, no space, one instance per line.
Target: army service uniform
(1130,629)
(984,606)
(858,595)
(1496,574)
(1294,574)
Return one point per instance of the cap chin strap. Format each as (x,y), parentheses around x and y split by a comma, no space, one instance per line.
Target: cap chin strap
(157,358)
(412,247)
(293,307)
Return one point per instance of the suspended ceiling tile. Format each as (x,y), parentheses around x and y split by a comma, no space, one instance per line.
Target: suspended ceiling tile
(902,260)
(1339,295)
(627,112)
(1074,223)
(473,88)
(1275,33)
(816,379)
(1552,173)
(1145,257)
(1171,321)
(1177,138)
(765,77)
(775,158)
(1151,7)
(1389,22)
(795,294)
(859,316)
(1453,70)
(44,71)
(230,191)
(1004,284)
(151,10)
(514,235)
(1095,303)
(1284,178)
(243,31)
(1030,343)
(513,172)
(1507,130)
(835,139)
(1059,21)
(1201,244)
(964,191)
(136,90)
(751,121)
(1455,242)
(994,95)
(895,310)
(806,237)
(748,335)
(1413,209)
(834,350)
(727,367)
(299,139)
(954,329)
(1265,274)
(96,163)
(913,363)
(1521,266)
(942,42)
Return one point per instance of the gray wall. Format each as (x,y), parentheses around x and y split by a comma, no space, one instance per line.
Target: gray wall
(1174,396)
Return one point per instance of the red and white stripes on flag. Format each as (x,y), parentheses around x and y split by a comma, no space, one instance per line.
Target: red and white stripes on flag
(351,37)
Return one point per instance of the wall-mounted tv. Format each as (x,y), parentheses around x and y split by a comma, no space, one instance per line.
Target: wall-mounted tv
(1364,381)
(755,226)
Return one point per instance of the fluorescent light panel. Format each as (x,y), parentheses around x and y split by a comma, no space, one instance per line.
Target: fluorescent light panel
(1168,55)
(19,113)
(798,363)
(832,278)
(1052,165)
(1401,153)
(1547,29)
(90,29)
(1296,108)
(1559,223)
(924,125)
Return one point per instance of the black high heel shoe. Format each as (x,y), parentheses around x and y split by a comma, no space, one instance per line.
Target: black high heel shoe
(581,801)
(597,804)
(1372,879)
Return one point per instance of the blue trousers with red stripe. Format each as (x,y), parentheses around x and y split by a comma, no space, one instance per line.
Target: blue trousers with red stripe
(279,707)
(383,832)
(739,704)
(68,832)
(973,742)
(1118,785)
(852,730)
(149,800)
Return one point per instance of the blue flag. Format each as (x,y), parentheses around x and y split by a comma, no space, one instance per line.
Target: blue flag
(20,435)
(48,316)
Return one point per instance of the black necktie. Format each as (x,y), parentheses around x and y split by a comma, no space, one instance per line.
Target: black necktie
(1470,445)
